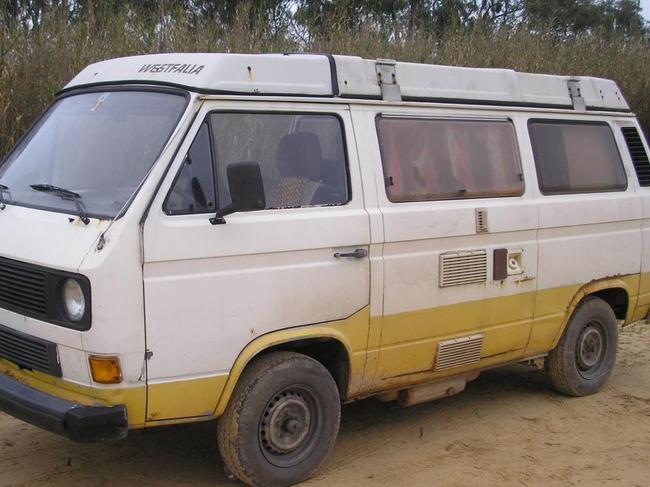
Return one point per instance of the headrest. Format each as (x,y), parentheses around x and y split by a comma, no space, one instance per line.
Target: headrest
(299,155)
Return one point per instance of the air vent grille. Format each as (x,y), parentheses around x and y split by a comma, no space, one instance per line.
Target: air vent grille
(29,352)
(22,288)
(459,351)
(459,268)
(481,220)
(638,154)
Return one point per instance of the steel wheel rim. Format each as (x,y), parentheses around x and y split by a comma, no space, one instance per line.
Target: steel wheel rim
(289,426)
(591,349)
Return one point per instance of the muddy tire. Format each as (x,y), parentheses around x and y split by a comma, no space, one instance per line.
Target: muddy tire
(585,355)
(281,422)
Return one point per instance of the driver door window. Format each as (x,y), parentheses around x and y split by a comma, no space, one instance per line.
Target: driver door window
(301,156)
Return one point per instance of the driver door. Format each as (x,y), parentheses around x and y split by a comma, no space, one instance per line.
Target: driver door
(212,289)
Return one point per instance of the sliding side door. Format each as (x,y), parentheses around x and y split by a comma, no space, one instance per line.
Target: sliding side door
(460,251)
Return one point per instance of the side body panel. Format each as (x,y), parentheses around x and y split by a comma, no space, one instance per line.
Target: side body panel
(583,238)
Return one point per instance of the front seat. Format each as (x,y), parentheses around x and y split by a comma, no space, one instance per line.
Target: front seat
(299,159)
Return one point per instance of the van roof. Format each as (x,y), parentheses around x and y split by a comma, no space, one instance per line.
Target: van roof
(320,75)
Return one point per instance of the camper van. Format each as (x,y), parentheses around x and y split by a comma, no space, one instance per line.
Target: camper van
(258,239)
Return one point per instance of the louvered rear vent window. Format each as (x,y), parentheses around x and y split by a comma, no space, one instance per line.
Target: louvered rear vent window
(638,154)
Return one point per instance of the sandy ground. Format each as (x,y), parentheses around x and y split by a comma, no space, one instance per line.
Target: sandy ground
(508,429)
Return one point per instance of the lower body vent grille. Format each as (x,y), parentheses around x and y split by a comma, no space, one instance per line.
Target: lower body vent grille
(458,352)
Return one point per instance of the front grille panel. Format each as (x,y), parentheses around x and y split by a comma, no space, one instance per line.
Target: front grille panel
(22,288)
(35,291)
(29,352)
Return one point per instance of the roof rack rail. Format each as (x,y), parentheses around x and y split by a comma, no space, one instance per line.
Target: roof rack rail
(325,75)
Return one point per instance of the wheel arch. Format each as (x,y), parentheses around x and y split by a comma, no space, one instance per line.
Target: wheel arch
(329,351)
(615,291)
(617,298)
(326,345)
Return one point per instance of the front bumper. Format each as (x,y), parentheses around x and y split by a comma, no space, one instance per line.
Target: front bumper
(79,423)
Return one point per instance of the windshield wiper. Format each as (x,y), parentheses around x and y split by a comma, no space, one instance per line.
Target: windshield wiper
(65,194)
(3,189)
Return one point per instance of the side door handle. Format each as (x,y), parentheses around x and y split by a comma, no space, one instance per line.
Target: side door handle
(355,254)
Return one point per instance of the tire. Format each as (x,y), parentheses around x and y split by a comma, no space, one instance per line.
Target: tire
(301,397)
(585,355)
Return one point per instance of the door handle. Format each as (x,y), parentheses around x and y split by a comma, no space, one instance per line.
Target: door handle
(355,254)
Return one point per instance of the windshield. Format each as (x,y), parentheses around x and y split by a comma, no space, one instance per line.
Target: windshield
(95,146)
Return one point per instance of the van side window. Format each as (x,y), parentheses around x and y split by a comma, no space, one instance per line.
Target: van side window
(576,157)
(193,190)
(437,159)
(301,156)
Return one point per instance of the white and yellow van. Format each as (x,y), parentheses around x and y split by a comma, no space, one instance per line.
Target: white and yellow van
(258,238)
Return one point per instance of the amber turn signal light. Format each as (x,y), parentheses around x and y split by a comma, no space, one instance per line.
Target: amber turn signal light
(105,370)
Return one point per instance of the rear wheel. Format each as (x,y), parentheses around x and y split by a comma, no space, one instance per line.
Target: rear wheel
(585,355)
(281,422)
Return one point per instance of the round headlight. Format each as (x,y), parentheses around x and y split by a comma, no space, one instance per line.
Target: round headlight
(73,300)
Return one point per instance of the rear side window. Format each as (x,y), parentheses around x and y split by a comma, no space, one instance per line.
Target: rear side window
(437,159)
(576,157)
(301,156)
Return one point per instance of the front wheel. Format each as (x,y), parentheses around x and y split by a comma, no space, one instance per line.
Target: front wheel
(585,355)
(281,422)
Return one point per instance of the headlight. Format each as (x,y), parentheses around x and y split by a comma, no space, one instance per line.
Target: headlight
(74,301)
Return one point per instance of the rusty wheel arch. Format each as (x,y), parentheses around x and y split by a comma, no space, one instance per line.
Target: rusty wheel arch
(330,352)
(613,290)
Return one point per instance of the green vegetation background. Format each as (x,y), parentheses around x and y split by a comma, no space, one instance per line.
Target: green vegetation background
(43,43)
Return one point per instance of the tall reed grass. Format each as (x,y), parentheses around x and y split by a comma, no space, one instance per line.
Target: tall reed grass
(35,63)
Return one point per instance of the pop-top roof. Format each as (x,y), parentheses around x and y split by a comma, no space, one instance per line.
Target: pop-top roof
(354,77)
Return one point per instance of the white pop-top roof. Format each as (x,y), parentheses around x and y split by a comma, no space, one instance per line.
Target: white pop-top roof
(353,77)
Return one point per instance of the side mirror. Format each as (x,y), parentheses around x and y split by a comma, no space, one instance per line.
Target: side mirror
(246,190)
